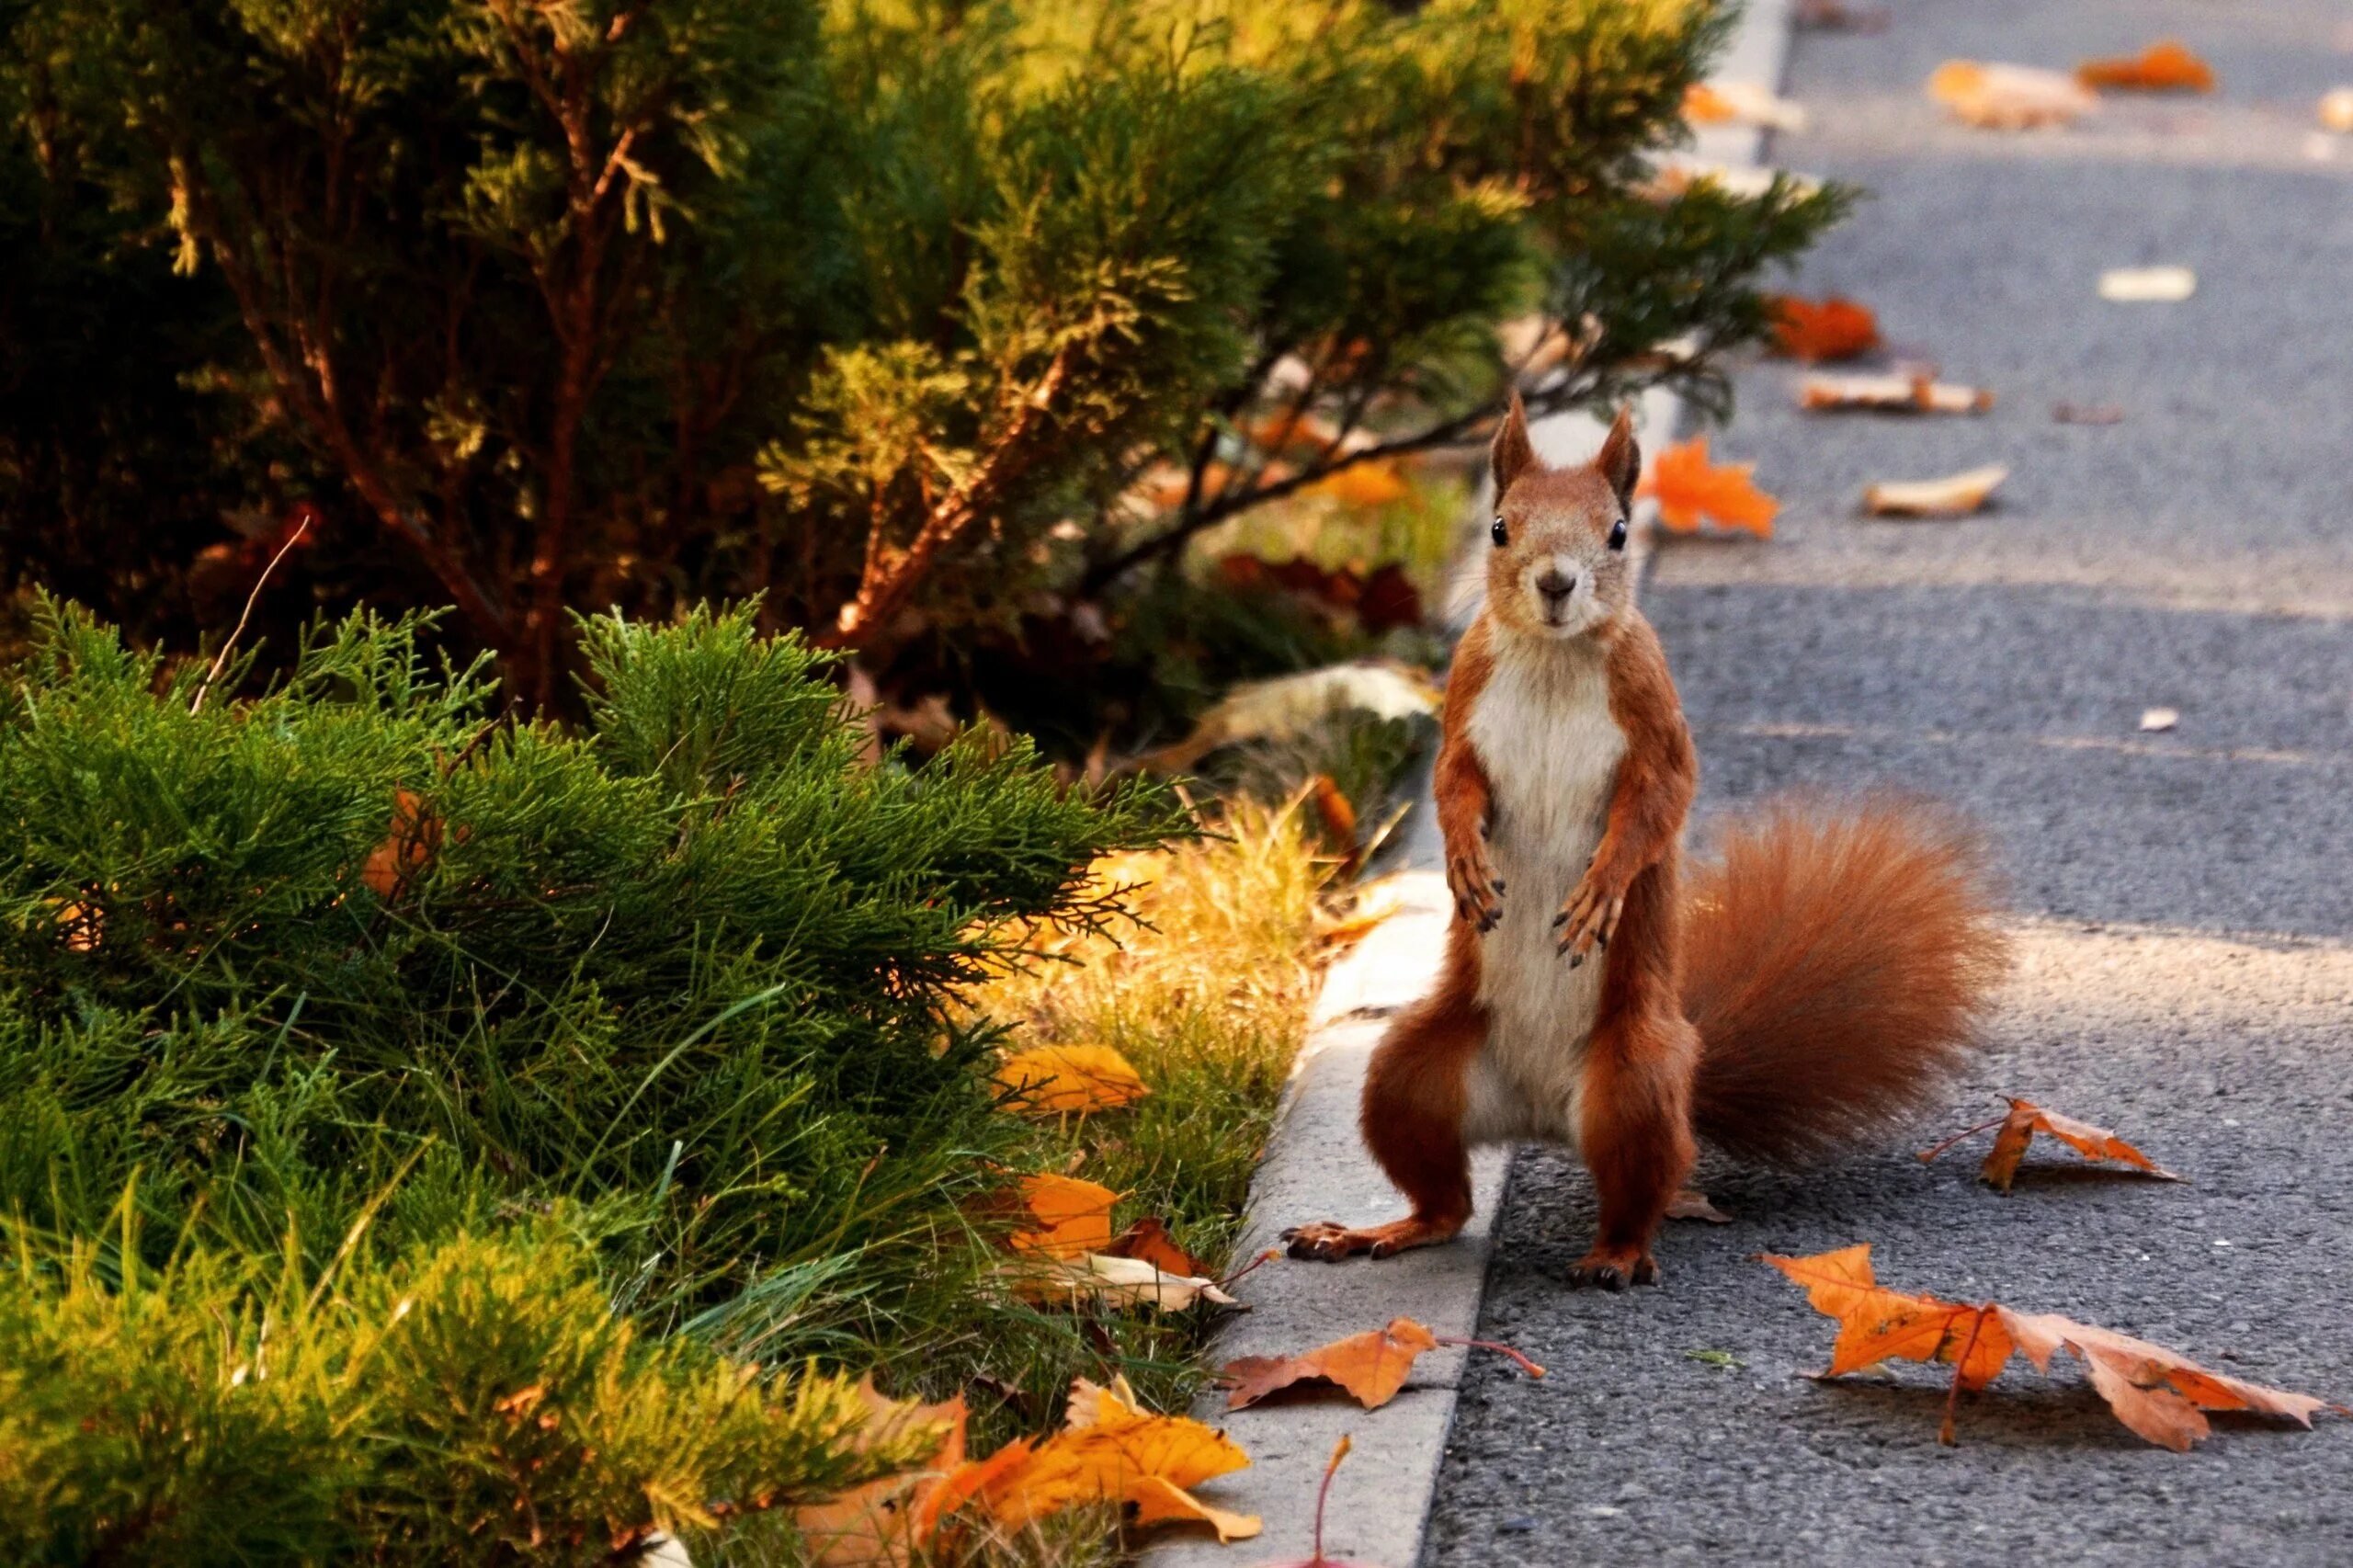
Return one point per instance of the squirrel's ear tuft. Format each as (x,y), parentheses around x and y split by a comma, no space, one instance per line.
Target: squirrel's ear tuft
(1512,455)
(1619,461)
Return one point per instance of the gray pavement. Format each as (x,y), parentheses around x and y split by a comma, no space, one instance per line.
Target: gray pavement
(2184,900)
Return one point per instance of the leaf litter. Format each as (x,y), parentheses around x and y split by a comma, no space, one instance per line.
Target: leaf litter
(2160,1394)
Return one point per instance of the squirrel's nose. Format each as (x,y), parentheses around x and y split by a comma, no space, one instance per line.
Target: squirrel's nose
(1554,585)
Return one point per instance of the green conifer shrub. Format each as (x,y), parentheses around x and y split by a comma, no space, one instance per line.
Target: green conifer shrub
(428,1058)
(888,310)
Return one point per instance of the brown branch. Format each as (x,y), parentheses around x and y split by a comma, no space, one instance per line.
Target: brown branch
(887,580)
(1464,429)
(324,421)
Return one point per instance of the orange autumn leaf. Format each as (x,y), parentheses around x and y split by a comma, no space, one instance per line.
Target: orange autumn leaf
(1878,1324)
(2166,66)
(1362,485)
(1055,1080)
(883,1523)
(1689,487)
(1073,1216)
(2158,1392)
(1149,1241)
(1832,328)
(1373,1365)
(1111,1450)
(414,834)
(2025,1119)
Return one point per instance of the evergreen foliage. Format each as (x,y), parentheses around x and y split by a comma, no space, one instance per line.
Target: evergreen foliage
(479,1078)
(882,307)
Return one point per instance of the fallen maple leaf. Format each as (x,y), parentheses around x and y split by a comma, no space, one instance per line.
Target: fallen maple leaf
(2166,66)
(1954,495)
(883,1523)
(2161,1395)
(1689,487)
(1111,1450)
(1073,1216)
(1053,1080)
(1832,328)
(1148,1240)
(2156,1393)
(1323,1496)
(1115,1281)
(2025,1119)
(1997,97)
(1890,394)
(1373,1365)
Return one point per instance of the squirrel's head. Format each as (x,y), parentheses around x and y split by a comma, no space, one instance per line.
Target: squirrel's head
(1557,562)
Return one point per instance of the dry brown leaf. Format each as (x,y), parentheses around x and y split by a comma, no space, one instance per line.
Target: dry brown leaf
(1114,1282)
(1689,487)
(1373,1365)
(1999,96)
(2154,1391)
(1832,328)
(2166,66)
(1890,394)
(1836,16)
(1073,1216)
(1691,1205)
(1055,1080)
(2025,1119)
(1149,1240)
(1952,497)
(2159,1393)
(1111,1450)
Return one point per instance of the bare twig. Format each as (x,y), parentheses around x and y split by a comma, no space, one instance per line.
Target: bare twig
(220,660)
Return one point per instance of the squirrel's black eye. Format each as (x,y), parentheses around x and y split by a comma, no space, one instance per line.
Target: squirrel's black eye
(1618,534)
(1500,534)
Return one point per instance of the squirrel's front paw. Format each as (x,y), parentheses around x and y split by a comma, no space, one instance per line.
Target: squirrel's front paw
(1590,917)
(1478,891)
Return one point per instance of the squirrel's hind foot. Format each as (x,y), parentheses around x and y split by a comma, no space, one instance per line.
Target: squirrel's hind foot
(1614,1269)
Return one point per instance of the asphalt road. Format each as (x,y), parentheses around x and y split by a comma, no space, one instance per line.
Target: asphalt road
(2184,900)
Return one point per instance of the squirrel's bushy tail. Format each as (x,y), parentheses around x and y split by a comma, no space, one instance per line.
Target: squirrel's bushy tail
(1838,959)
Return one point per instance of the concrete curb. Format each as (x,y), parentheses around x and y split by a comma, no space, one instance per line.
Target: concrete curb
(1315,1166)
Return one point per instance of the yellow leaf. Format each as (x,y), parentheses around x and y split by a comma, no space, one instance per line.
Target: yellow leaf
(1073,1216)
(1052,1080)
(1109,1450)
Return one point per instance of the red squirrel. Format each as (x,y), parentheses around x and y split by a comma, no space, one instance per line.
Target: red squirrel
(1820,980)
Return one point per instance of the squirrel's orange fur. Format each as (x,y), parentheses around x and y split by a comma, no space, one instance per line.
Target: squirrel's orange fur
(1816,982)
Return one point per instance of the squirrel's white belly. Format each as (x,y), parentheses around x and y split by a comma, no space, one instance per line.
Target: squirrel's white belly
(1544,735)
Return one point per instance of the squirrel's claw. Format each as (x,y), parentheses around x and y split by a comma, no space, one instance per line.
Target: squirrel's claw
(1590,918)
(1478,891)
